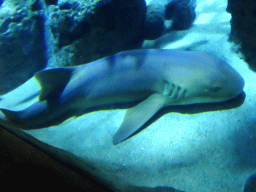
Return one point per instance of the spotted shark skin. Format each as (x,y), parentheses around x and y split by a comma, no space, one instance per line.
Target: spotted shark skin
(157,77)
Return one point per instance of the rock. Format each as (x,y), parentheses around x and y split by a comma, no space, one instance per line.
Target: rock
(182,13)
(22,48)
(154,26)
(83,31)
(243,28)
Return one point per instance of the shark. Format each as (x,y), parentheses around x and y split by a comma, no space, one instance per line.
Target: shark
(155,77)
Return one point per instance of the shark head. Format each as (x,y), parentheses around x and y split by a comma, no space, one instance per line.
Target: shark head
(188,78)
(208,82)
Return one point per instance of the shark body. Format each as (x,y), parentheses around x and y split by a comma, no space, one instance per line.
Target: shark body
(157,77)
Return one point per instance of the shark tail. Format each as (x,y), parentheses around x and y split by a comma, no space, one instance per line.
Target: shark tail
(11,115)
(13,119)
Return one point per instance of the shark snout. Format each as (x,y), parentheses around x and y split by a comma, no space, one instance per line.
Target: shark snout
(235,83)
(226,84)
(238,85)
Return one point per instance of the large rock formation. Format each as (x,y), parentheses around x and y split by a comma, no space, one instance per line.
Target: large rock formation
(243,28)
(167,15)
(22,47)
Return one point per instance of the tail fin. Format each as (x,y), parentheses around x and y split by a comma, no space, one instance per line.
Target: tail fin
(13,118)
(11,115)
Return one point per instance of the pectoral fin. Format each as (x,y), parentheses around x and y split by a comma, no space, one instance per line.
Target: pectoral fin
(138,116)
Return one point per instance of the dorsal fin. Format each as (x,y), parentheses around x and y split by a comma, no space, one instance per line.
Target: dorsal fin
(53,81)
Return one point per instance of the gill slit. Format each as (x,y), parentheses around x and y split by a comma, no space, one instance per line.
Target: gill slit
(174,92)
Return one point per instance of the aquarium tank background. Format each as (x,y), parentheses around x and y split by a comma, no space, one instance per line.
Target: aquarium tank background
(142,95)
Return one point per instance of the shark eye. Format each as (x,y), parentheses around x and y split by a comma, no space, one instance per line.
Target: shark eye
(215,88)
